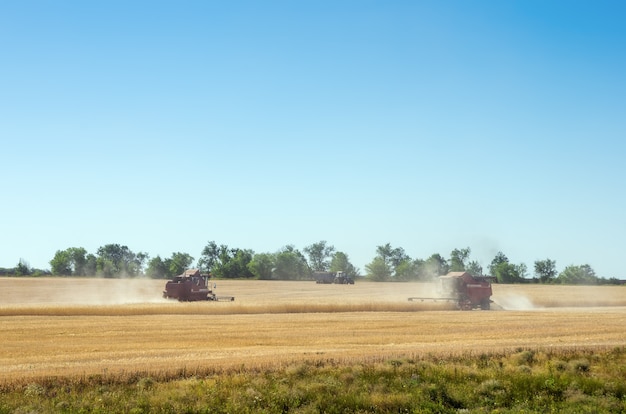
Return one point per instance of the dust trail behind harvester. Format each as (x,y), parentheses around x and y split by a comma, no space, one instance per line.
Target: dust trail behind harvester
(511,301)
(124,291)
(79,291)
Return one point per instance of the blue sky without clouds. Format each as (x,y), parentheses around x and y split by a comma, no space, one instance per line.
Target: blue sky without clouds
(430,125)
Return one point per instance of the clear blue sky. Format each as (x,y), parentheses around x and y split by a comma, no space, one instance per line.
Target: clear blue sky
(430,125)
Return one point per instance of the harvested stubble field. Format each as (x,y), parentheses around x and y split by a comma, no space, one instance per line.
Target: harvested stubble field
(81,327)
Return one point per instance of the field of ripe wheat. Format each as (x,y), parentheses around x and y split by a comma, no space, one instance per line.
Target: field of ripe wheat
(64,326)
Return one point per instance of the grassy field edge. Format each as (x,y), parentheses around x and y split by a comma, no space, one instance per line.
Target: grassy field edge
(528,380)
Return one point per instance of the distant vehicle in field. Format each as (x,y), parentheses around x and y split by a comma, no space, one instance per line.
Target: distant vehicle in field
(343,279)
(339,278)
(191,286)
(467,291)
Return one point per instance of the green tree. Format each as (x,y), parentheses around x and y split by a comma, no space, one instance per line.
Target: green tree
(210,257)
(398,256)
(111,259)
(407,270)
(378,270)
(522,270)
(261,266)
(319,256)
(506,272)
(157,269)
(224,262)
(115,260)
(70,262)
(341,263)
(458,259)
(78,258)
(578,275)
(420,269)
(474,268)
(22,268)
(91,265)
(61,263)
(178,263)
(106,267)
(140,260)
(497,260)
(236,264)
(545,270)
(290,264)
(385,252)
(433,267)
(392,257)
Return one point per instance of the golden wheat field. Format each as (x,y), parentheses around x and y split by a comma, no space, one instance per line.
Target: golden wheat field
(77,327)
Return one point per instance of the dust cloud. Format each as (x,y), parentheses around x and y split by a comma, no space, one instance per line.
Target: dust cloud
(514,302)
(399,292)
(127,291)
(80,291)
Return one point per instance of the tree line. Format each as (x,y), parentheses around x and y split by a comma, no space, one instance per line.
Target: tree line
(289,263)
(393,264)
(221,261)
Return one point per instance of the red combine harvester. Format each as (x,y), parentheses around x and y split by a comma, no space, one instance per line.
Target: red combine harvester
(192,286)
(467,291)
